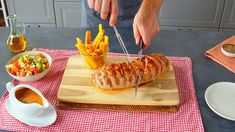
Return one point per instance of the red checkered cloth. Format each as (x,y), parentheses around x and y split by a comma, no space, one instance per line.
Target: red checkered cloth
(188,117)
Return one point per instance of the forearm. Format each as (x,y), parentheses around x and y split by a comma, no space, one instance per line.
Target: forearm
(151,6)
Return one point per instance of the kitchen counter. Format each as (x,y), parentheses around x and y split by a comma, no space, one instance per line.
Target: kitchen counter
(171,43)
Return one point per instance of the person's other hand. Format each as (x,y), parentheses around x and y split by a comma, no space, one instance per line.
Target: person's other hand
(105,7)
(145,26)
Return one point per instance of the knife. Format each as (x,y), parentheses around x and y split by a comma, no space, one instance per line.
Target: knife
(122,44)
(141,46)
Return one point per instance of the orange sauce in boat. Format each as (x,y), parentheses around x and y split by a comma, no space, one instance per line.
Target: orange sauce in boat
(28,96)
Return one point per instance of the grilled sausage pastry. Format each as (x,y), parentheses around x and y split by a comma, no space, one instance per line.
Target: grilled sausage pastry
(124,75)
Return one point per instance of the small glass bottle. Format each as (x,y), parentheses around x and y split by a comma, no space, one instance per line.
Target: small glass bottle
(16,41)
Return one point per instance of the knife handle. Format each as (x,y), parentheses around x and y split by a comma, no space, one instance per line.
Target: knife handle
(141,44)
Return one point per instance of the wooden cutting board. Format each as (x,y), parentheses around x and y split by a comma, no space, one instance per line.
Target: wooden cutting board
(77,87)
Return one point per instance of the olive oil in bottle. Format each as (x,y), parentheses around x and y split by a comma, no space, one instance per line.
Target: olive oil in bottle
(16,41)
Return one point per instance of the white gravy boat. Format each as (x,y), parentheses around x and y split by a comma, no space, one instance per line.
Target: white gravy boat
(26,109)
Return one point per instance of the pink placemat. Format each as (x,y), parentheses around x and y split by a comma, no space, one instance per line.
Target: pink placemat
(188,117)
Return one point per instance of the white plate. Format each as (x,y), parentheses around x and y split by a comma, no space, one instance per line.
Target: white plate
(46,118)
(220,97)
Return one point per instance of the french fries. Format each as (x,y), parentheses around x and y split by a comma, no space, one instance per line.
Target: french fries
(94,53)
(88,37)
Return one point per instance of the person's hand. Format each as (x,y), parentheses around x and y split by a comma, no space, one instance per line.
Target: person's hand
(145,26)
(105,7)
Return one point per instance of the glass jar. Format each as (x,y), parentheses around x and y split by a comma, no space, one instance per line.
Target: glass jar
(16,41)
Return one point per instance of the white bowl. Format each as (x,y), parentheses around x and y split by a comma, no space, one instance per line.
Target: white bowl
(32,77)
(229,54)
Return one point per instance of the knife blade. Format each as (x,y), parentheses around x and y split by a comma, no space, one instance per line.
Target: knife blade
(141,46)
(122,44)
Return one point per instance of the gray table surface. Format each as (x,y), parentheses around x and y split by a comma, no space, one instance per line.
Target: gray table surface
(172,43)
